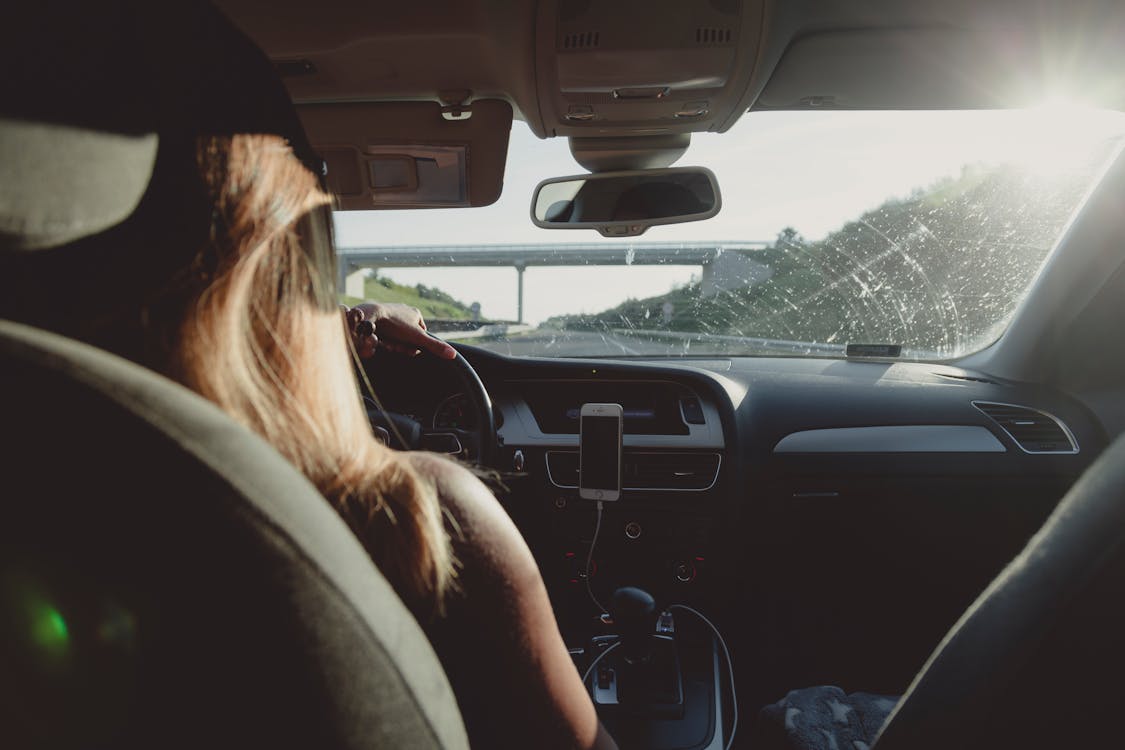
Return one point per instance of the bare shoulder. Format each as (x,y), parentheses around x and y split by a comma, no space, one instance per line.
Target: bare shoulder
(455,484)
(479,519)
(438,467)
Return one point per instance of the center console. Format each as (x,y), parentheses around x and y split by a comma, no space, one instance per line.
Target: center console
(656,672)
(658,535)
(661,682)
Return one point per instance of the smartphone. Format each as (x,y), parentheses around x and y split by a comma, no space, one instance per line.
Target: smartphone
(599,451)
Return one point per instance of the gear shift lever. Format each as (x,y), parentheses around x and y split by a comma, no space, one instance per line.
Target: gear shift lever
(634,612)
(647,668)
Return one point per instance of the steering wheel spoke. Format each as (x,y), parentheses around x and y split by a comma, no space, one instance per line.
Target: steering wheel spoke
(478,444)
(451,440)
(475,442)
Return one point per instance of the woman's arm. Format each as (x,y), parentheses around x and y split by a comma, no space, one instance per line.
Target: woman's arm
(499,640)
(394,326)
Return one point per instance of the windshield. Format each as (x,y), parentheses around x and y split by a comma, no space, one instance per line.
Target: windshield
(918,229)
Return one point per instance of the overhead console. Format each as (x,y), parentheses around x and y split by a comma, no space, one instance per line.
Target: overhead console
(637,68)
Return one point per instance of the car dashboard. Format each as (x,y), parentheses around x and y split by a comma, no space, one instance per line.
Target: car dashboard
(834,517)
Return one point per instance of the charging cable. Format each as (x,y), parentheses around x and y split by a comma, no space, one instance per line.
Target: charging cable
(589,561)
(730,668)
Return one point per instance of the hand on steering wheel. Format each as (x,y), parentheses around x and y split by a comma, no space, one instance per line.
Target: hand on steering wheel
(400,328)
(396,327)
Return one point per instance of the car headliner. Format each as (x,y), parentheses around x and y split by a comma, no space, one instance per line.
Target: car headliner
(880,54)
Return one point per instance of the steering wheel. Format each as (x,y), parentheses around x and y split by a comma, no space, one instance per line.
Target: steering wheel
(476,444)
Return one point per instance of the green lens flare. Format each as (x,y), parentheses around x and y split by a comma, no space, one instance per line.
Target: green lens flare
(33,628)
(49,629)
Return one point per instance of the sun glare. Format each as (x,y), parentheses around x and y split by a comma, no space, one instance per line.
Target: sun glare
(1054,137)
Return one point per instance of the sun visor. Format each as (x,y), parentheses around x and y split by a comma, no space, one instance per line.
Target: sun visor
(940,69)
(881,69)
(409,155)
(59,183)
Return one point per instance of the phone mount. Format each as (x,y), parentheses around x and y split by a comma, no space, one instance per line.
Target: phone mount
(600,435)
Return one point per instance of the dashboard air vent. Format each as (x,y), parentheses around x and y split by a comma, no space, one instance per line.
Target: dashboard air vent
(670,471)
(1034,431)
(658,471)
(713,36)
(582,40)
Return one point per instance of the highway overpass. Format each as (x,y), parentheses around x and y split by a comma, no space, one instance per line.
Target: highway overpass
(724,264)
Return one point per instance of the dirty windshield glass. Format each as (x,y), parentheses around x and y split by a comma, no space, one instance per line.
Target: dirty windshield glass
(918,229)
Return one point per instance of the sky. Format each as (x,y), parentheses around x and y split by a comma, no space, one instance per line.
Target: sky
(813,171)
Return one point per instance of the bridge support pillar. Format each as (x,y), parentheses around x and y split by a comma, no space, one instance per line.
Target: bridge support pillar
(520,268)
(355,284)
(343,267)
(351,279)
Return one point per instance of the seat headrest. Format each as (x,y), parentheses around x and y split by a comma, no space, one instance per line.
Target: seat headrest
(91,92)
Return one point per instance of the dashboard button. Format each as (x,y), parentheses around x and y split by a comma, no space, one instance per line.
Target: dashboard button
(633,530)
(692,411)
(684,571)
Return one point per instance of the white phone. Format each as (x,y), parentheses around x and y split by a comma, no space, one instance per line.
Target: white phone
(599,451)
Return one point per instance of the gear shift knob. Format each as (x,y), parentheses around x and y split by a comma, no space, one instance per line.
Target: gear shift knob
(634,613)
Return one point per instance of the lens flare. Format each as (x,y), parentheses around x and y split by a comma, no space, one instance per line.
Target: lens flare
(49,629)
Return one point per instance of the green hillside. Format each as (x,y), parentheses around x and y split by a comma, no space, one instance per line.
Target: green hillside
(939,271)
(434,303)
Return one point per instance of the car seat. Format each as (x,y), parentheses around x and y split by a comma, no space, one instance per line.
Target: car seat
(166,578)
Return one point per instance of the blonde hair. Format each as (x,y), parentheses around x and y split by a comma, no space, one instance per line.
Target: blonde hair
(264,340)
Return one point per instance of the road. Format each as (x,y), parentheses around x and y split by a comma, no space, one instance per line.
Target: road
(553,343)
(576,344)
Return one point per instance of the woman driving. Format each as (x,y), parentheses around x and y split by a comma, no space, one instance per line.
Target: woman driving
(261,338)
(235,299)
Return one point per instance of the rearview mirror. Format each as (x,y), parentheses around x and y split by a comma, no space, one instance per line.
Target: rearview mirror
(625,204)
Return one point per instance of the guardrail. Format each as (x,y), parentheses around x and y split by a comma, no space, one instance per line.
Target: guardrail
(781,346)
(759,344)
